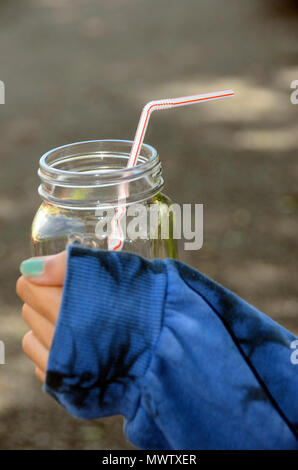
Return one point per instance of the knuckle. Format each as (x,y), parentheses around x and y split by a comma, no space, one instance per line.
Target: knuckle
(24,288)
(27,342)
(25,312)
(19,286)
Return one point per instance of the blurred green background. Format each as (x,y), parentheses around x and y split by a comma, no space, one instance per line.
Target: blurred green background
(82,69)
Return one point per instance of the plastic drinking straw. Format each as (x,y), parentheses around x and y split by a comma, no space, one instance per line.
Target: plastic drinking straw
(116,238)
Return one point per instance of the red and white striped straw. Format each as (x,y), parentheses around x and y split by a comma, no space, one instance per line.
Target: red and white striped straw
(116,238)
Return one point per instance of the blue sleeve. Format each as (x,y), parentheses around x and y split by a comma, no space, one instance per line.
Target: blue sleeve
(186,362)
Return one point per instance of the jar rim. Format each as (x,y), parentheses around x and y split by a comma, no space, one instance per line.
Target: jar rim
(108,157)
(139,167)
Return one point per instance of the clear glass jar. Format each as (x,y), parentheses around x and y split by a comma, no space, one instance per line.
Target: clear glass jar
(79,179)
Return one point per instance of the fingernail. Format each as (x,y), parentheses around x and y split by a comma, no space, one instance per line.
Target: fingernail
(32,267)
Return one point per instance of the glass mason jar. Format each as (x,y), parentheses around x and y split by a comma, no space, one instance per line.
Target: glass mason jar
(80,180)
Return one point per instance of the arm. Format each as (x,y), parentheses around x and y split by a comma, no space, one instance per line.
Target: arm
(189,364)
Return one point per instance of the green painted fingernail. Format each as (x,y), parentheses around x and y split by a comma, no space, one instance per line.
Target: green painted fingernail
(32,267)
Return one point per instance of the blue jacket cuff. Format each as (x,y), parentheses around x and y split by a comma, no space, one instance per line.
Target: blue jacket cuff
(104,337)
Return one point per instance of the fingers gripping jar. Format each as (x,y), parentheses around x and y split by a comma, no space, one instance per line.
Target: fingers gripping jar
(79,179)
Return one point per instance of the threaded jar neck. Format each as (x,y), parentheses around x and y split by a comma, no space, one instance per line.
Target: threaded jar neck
(87,175)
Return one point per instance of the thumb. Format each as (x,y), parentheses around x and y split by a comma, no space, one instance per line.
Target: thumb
(45,270)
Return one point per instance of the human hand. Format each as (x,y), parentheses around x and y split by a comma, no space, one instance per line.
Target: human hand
(40,288)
